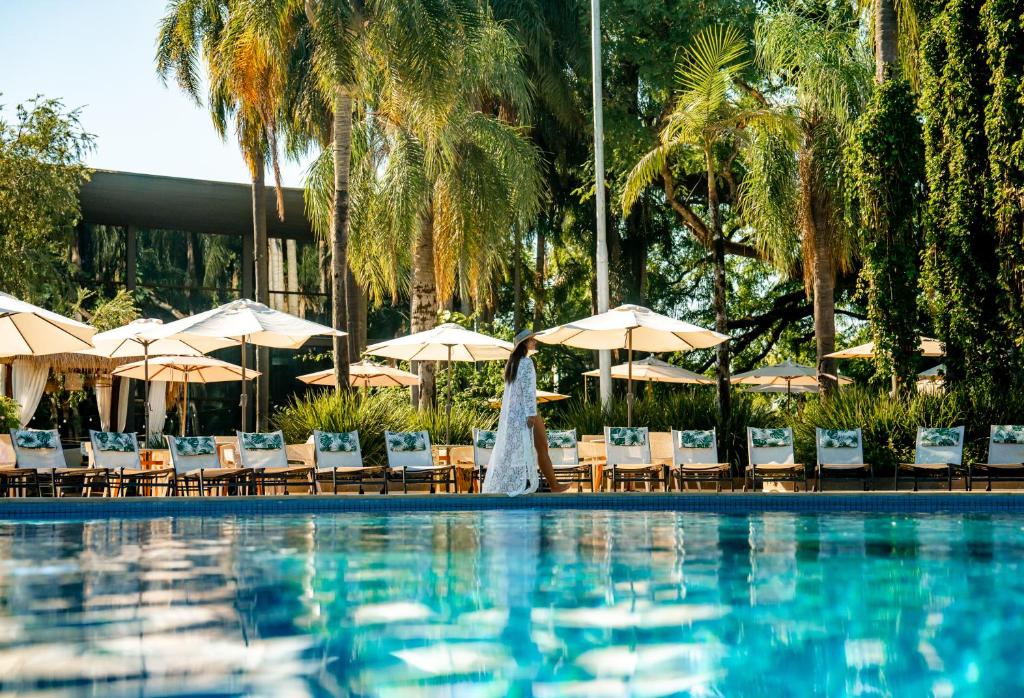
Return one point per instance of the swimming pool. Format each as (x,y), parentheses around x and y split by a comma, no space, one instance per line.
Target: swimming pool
(517,602)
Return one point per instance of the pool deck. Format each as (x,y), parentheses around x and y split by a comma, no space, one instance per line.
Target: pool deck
(723,503)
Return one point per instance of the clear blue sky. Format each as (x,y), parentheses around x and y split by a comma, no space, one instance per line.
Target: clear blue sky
(99,55)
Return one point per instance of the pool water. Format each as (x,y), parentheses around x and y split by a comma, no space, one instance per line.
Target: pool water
(516,603)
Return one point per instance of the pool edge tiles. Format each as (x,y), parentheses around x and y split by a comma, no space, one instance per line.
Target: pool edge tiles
(723,503)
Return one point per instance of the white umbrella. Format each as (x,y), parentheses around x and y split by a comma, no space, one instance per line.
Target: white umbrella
(365,374)
(448,342)
(249,323)
(785,376)
(655,371)
(632,327)
(543,397)
(790,390)
(186,369)
(26,329)
(132,341)
(927,347)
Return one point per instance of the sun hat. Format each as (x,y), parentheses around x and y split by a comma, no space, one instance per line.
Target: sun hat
(521,337)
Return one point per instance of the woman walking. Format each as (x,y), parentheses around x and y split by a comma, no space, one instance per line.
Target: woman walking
(521,444)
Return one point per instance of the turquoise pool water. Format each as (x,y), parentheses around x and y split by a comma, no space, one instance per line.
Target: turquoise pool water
(519,603)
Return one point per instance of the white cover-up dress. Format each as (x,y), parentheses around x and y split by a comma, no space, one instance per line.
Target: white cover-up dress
(513,469)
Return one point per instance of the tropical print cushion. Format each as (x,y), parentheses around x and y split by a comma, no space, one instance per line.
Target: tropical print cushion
(114,441)
(770,438)
(407,441)
(485,439)
(262,442)
(627,436)
(940,436)
(562,439)
(696,438)
(195,446)
(35,438)
(1008,434)
(839,438)
(337,441)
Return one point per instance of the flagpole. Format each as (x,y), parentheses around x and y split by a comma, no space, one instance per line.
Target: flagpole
(601,256)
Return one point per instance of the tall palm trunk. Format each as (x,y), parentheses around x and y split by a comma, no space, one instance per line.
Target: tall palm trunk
(818,239)
(517,282)
(339,231)
(356,317)
(261,253)
(721,309)
(538,277)
(886,46)
(423,313)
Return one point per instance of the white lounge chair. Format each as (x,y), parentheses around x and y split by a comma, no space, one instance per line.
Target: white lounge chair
(339,455)
(118,453)
(841,456)
(483,447)
(1005,456)
(695,458)
(265,454)
(197,467)
(628,458)
(39,461)
(771,459)
(938,453)
(410,455)
(564,451)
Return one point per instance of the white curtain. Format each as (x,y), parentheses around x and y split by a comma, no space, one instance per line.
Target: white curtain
(29,383)
(158,405)
(104,395)
(123,385)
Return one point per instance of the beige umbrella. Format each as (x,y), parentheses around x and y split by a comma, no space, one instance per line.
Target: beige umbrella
(927,347)
(632,327)
(655,371)
(790,390)
(247,322)
(365,374)
(785,376)
(448,342)
(543,397)
(186,369)
(26,329)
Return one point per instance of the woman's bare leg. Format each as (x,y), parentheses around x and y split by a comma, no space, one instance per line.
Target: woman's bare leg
(540,443)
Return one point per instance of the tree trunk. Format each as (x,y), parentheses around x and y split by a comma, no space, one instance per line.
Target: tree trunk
(721,308)
(886,46)
(818,238)
(339,232)
(517,283)
(261,251)
(423,313)
(293,276)
(356,318)
(539,277)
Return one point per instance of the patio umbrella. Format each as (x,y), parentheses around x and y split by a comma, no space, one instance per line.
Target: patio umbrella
(26,329)
(186,369)
(133,341)
(655,371)
(543,397)
(927,347)
(632,327)
(448,342)
(365,374)
(790,390)
(247,322)
(785,377)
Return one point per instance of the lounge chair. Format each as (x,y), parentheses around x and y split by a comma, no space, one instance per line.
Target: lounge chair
(118,453)
(770,452)
(841,457)
(339,455)
(483,447)
(197,467)
(695,459)
(938,453)
(628,458)
(266,456)
(14,480)
(564,451)
(1005,456)
(409,455)
(39,454)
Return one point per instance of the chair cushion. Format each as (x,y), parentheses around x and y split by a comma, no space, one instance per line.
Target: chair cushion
(114,441)
(337,441)
(839,438)
(407,441)
(35,438)
(262,442)
(1008,434)
(195,446)
(485,439)
(627,436)
(562,439)
(696,438)
(770,438)
(940,436)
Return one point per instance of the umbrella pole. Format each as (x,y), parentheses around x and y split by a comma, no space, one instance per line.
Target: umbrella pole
(629,382)
(244,399)
(145,382)
(448,425)
(184,411)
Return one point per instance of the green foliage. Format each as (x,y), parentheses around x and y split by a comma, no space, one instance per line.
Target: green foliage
(41,170)
(108,314)
(9,414)
(886,166)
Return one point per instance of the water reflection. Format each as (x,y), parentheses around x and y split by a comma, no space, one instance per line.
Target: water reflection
(512,603)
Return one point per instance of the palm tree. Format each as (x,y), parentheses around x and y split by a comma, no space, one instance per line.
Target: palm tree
(824,70)
(708,124)
(246,80)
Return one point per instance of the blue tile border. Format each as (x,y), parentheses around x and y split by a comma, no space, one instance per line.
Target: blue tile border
(725,503)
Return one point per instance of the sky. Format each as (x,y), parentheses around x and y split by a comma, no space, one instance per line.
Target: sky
(98,55)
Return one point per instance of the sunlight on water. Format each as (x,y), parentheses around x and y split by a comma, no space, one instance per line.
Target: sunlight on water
(519,603)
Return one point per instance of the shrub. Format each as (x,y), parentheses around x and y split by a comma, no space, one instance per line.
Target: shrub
(9,414)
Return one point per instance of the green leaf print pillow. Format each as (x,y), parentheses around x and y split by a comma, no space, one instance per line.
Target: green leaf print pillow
(562,439)
(627,436)
(485,439)
(195,446)
(258,441)
(114,441)
(696,438)
(35,438)
(337,441)
(407,441)
(1008,434)
(940,436)
(839,438)
(770,438)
